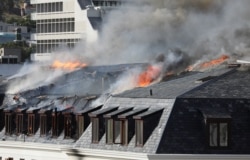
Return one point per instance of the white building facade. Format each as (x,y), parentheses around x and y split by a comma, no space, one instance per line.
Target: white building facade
(59,22)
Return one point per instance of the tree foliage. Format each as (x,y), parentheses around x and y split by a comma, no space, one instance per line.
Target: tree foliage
(7,5)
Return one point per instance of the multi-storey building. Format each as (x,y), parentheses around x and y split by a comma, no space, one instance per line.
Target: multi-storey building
(59,22)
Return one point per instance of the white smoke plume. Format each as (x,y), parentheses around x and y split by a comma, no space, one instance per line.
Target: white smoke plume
(139,30)
(184,31)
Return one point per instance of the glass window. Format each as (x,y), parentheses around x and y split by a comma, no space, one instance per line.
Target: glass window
(213,128)
(8,123)
(109,131)
(139,132)
(80,125)
(95,130)
(54,126)
(117,131)
(43,125)
(124,132)
(68,126)
(31,124)
(19,122)
(223,134)
(218,131)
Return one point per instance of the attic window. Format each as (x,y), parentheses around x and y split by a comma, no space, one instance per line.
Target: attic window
(98,127)
(80,124)
(69,125)
(139,133)
(218,132)
(95,130)
(43,125)
(109,131)
(20,124)
(31,124)
(83,119)
(205,79)
(9,123)
(145,123)
(114,126)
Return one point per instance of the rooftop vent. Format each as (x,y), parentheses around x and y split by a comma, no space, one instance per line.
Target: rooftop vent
(205,79)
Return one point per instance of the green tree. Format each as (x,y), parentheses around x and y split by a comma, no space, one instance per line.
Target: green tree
(7,5)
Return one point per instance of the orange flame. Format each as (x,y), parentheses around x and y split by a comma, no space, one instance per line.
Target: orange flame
(214,62)
(148,76)
(208,64)
(68,65)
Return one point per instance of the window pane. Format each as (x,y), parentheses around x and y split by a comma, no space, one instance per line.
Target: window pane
(223,134)
(124,132)
(80,125)
(43,122)
(109,131)
(139,132)
(95,131)
(213,134)
(117,131)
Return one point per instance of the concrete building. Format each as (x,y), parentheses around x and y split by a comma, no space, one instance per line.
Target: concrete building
(193,115)
(59,22)
(8,32)
(10,56)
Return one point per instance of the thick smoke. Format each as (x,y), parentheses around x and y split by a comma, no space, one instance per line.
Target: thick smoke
(184,31)
(202,29)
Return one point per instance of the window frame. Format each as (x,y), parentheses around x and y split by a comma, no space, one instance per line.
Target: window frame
(117,137)
(124,132)
(8,123)
(80,125)
(218,121)
(139,142)
(19,123)
(68,126)
(43,125)
(95,129)
(109,131)
(31,124)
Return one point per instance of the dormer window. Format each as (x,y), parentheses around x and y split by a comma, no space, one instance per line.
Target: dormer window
(217,128)
(95,130)
(145,123)
(109,131)
(218,132)
(127,125)
(114,126)
(69,125)
(31,124)
(43,125)
(83,119)
(98,126)
(80,125)
(139,133)
(19,124)
(9,123)
(57,125)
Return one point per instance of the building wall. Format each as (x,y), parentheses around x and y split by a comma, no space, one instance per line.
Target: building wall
(37,151)
(10,53)
(28,151)
(63,25)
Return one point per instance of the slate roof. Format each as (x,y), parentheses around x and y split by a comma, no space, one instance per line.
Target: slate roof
(183,99)
(138,103)
(233,85)
(172,88)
